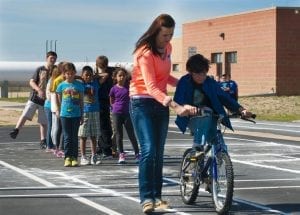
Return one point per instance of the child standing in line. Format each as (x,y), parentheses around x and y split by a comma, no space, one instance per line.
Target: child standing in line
(56,131)
(119,100)
(91,108)
(70,108)
(47,108)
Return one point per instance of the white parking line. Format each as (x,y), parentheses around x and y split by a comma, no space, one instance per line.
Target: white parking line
(266,166)
(48,184)
(92,187)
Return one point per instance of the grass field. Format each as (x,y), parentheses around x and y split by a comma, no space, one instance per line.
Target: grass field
(274,108)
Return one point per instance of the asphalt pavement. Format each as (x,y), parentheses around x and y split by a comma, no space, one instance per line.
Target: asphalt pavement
(266,167)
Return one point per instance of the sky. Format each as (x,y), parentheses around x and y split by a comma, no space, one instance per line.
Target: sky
(85,29)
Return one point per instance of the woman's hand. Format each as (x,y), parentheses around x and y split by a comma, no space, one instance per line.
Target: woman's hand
(181,110)
(191,109)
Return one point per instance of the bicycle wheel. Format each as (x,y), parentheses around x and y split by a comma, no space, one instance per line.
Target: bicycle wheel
(222,183)
(188,177)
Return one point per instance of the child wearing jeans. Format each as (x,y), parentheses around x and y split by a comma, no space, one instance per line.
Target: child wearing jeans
(70,99)
(56,130)
(91,124)
(119,100)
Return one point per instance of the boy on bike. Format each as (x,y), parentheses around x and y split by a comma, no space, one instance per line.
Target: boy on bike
(200,94)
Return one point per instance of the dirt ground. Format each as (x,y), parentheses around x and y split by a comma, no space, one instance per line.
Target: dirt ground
(268,105)
(10,118)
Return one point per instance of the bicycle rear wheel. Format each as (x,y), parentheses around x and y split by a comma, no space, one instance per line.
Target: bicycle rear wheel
(222,183)
(188,177)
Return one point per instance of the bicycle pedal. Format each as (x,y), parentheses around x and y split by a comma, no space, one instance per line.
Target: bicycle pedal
(193,159)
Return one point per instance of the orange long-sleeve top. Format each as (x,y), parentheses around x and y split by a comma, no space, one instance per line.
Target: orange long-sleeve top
(151,74)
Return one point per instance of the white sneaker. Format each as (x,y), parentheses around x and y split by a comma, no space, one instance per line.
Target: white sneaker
(95,160)
(84,161)
(121,158)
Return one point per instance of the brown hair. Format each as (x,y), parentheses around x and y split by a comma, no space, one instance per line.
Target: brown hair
(116,71)
(101,62)
(68,66)
(148,38)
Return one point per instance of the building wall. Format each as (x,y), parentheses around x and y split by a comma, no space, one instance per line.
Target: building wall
(288,51)
(176,60)
(252,35)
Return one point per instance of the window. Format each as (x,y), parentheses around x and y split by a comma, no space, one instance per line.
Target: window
(216,58)
(175,67)
(231,57)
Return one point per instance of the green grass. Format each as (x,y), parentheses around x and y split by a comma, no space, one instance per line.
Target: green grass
(279,117)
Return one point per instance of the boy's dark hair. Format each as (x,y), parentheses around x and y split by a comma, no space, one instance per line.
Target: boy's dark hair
(51,53)
(197,64)
(88,69)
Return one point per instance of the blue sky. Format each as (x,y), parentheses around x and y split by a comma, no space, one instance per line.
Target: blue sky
(85,29)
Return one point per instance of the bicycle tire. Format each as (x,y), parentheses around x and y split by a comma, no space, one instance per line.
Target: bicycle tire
(188,175)
(222,183)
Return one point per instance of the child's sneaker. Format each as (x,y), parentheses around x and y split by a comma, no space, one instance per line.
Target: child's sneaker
(137,158)
(43,144)
(68,162)
(121,158)
(95,160)
(74,162)
(50,150)
(14,133)
(59,154)
(84,161)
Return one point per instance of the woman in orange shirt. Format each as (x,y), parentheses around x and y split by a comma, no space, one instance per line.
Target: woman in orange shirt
(149,106)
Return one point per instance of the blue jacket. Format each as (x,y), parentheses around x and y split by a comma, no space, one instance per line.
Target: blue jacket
(217,97)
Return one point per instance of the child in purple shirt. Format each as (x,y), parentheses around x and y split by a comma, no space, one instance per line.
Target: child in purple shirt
(119,100)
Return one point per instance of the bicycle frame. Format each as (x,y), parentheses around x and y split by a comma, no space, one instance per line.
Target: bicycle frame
(211,167)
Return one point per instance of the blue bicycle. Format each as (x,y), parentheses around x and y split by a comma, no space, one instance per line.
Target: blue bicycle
(211,168)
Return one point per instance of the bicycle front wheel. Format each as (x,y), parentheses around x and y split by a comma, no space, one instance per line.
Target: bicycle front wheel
(222,183)
(188,176)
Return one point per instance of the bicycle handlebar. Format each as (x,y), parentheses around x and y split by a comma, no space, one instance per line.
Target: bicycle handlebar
(253,116)
(205,111)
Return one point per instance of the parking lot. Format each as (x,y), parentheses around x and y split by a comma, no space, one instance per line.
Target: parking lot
(267,176)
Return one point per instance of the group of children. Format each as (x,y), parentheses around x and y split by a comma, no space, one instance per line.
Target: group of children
(79,113)
(72,109)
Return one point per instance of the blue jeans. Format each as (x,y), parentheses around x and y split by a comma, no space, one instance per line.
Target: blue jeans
(150,121)
(49,127)
(70,128)
(203,129)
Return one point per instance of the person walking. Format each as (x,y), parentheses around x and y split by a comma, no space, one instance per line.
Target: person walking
(37,98)
(119,100)
(149,106)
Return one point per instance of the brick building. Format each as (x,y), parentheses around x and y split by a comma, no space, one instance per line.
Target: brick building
(260,49)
